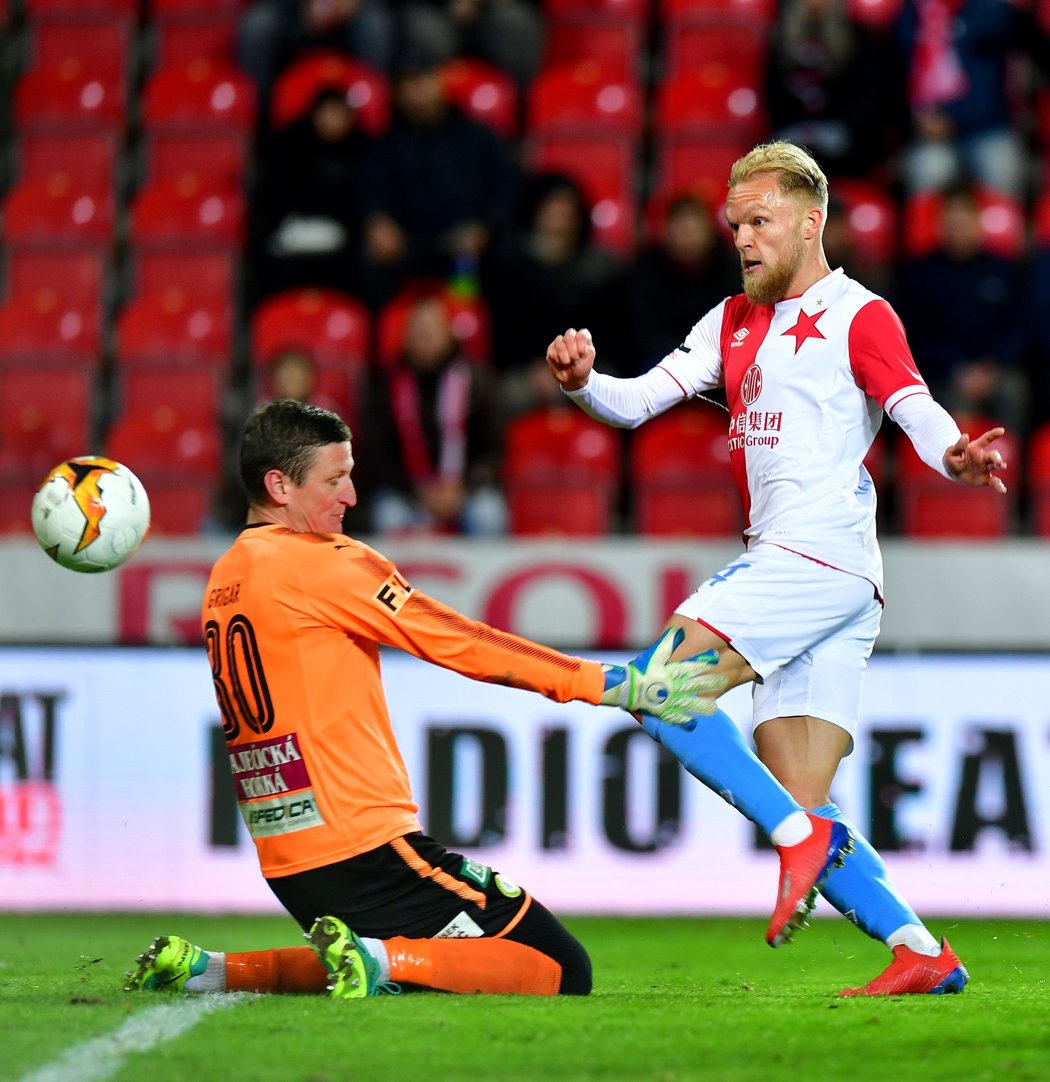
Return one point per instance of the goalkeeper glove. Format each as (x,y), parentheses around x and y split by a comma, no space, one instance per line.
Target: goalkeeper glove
(673,691)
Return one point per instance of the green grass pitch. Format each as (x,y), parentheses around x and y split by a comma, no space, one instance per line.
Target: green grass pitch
(675,1000)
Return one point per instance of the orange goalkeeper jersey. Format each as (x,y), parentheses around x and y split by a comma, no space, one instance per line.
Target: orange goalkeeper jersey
(293,623)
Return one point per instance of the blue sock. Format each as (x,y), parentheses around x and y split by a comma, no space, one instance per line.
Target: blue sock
(860,889)
(712,749)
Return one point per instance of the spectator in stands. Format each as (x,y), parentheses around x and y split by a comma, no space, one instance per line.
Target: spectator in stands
(309,215)
(828,88)
(440,185)
(272,33)
(548,269)
(958,54)
(292,373)
(507,33)
(961,305)
(434,438)
(686,268)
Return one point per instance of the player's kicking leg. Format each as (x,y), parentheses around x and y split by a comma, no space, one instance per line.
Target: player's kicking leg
(911,973)
(353,972)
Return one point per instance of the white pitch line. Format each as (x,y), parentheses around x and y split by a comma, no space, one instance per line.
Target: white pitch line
(101,1057)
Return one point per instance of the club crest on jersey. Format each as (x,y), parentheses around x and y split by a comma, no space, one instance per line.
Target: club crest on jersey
(751,385)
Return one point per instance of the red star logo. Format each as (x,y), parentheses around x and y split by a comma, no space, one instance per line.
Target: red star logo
(805,327)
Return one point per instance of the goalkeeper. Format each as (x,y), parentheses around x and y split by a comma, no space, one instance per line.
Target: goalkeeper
(293,618)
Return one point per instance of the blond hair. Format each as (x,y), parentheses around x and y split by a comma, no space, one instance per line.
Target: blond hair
(795,170)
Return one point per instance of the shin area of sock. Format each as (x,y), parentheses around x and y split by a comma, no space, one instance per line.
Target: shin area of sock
(493,966)
(281,970)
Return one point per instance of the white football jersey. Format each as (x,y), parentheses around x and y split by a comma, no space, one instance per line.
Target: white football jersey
(807,381)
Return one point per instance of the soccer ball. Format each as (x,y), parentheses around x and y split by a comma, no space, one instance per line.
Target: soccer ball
(90,514)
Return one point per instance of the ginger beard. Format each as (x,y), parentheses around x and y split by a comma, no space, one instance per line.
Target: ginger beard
(771,283)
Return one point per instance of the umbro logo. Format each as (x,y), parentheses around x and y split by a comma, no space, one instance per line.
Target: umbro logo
(738,337)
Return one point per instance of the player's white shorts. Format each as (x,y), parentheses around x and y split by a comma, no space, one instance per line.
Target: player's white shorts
(807,629)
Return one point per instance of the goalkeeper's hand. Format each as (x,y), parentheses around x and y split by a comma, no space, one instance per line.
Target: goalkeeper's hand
(673,691)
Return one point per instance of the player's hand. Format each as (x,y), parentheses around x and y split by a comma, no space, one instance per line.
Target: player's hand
(976,462)
(570,358)
(673,691)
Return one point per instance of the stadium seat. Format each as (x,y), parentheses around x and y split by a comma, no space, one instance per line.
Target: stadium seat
(173,326)
(470,323)
(45,416)
(1039,480)
(76,276)
(871,217)
(187,213)
(1041,220)
(699,166)
(560,473)
(58,210)
(41,328)
(739,12)
(93,155)
(615,44)
(210,274)
(333,328)
(159,9)
(931,507)
(689,46)
(484,92)
(877,15)
(71,97)
(191,391)
(711,101)
(583,99)
(34,8)
(99,41)
(604,167)
(216,159)
(200,95)
(367,89)
(1003,223)
(681,480)
(181,38)
(177,458)
(627,10)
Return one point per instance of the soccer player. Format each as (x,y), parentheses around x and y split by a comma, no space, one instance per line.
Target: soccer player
(809,361)
(293,618)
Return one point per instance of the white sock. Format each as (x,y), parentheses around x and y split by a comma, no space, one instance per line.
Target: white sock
(377,949)
(792,830)
(213,979)
(915,937)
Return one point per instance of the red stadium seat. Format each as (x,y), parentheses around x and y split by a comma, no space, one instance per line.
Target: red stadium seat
(100,41)
(159,9)
(681,480)
(217,159)
(188,390)
(871,219)
(604,167)
(584,99)
(690,46)
(747,12)
(616,45)
(878,15)
(179,39)
(560,473)
(1039,479)
(366,89)
(45,416)
(43,329)
(484,92)
(931,507)
(92,155)
(711,101)
(1003,223)
(333,328)
(210,274)
(77,277)
(470,323)
(70,96)
(161,328)
(58,210)
(186,213)
(684,164)
(199,95)
(35,8)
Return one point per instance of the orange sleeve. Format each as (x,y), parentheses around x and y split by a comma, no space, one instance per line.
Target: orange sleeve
(365,593)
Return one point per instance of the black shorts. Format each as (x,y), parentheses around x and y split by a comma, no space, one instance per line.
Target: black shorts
(415,887)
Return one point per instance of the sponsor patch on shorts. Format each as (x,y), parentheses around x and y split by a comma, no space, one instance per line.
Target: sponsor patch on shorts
(475,871)
(506,887)
(461,927)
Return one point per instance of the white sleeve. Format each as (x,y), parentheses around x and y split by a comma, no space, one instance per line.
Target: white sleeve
(929,426)
(694,367)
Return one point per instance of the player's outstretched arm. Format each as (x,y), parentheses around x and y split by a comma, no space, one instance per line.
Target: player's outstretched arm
(673,691)
(976,462)
(570,358)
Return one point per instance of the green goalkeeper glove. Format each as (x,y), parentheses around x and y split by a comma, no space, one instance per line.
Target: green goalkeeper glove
(673,691)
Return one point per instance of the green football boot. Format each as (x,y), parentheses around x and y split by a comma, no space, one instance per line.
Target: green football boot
(166,965)
(352,971)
